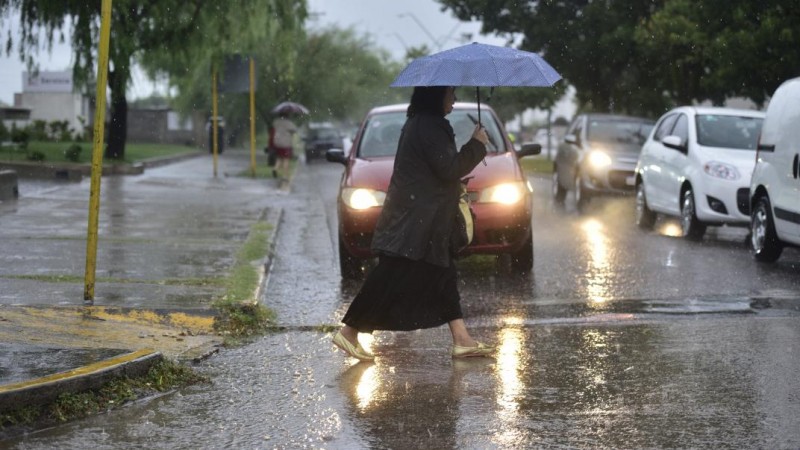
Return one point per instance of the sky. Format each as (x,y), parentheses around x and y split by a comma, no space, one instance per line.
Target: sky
(393,25)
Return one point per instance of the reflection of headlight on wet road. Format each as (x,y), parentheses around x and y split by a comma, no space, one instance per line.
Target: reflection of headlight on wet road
(506,193)
(361,198)
(599,159)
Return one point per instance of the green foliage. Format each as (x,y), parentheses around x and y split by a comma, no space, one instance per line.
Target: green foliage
(37,131)
(20,136)
(162,376)
(73,153)
(59,130)
(167,36)
(54,152)
(536,165)
(637,57)
(240,315)
(36,156)
(4,133)
(344,75)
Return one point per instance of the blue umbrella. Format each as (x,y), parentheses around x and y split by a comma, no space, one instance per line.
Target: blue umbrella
(478,65)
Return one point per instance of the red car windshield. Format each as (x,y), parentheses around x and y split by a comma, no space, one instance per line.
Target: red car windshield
(382,132)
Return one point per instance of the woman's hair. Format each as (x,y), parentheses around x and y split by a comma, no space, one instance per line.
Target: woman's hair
(428,99)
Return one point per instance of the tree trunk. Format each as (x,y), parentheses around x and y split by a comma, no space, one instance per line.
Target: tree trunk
(118,128)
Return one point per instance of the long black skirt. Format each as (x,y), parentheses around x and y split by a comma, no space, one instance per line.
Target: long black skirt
(400,294)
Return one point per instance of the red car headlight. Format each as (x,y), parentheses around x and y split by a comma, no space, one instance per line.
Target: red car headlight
(505,193)
(362,198)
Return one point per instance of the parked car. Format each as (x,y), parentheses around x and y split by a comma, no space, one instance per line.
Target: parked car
(775,184)
(500,194)
(598,156)
(320,138)
(696,165)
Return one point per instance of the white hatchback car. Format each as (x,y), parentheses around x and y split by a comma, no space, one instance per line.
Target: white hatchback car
(696,165)
(775,185)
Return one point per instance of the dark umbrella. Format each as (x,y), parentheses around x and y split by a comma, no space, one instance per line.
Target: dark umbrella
(289,108)
(478,65)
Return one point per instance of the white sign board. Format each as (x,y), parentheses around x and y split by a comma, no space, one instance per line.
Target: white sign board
(47,81)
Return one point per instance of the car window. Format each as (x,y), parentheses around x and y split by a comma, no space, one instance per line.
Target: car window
(463,123)
(665,127)
(382,132)
(726,131)
(681,128)
(324,133)
(618,131)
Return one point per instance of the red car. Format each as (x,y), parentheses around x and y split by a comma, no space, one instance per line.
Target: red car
(499,192)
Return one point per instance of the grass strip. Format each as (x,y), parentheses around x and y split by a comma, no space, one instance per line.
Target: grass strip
(536,165)
(240,315)
(54,152)
(164,376)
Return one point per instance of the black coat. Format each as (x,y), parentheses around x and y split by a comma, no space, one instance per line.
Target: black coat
(420,208)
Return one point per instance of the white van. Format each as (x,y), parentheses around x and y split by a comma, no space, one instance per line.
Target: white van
(775,185)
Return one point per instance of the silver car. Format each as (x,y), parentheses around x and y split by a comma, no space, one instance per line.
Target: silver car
(598,156)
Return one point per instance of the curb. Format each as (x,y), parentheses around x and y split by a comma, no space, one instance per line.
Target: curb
(44,390)
(266,264)
(75,171)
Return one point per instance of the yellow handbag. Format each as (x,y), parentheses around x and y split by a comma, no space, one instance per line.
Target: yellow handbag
(466,214)
(464,226)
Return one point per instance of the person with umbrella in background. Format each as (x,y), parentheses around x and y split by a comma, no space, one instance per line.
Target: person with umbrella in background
(281,136)
(414,285)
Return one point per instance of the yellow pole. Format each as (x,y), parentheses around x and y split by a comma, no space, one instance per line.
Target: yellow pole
(214,118)
(252,118)
(97,152)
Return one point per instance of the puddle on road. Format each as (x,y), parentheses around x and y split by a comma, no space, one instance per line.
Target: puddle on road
(698,306)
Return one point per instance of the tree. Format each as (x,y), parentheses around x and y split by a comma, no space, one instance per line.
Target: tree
(717,49)
(141,27)
(343,75)
(589,43)
(276,31)
(642,57)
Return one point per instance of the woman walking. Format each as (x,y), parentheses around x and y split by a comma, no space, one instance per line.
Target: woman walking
(414,285)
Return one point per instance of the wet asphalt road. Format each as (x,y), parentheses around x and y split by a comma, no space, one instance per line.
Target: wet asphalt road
(617,339)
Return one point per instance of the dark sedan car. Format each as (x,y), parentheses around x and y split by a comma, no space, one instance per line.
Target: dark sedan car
(598,156)
(319,139)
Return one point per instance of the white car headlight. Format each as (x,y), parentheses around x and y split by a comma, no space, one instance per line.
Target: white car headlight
(599,159)
(506,193)
(721,170)
(362,198)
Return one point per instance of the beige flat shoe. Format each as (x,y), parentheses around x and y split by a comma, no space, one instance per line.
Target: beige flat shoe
(469,352)
(356,351)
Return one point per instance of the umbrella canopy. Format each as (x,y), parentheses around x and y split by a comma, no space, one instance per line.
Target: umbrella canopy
(478,65)
(289,108)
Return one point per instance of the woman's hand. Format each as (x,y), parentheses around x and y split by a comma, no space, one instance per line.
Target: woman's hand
(480,134)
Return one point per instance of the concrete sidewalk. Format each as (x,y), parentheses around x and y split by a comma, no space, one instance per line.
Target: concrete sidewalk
(167,239)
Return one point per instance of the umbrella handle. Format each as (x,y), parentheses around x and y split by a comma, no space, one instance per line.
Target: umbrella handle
(478,94)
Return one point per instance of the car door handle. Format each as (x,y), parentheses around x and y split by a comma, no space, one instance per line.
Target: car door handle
(796,165)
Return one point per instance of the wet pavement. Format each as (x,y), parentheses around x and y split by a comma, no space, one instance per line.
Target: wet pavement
(617,339)
(166,240)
